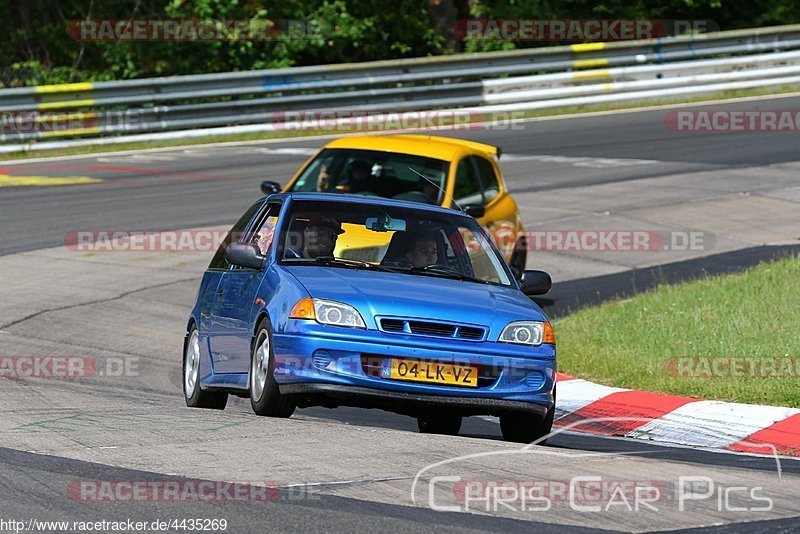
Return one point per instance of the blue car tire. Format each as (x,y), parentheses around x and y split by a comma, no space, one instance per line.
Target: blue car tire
(194,395)
(523,427)
(446,424)
(265,398)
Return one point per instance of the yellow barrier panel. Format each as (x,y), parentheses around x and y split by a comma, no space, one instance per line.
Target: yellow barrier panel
(74,131)
(68,104)
(588,47)
(78,115)
(65,88)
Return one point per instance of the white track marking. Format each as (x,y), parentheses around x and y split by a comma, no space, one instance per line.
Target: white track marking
(711,423)
(202,152)
(578,433)
(139,158)
(575,394)
(577,161)
(288,151)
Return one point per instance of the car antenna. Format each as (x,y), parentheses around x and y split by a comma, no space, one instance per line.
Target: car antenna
(437,186)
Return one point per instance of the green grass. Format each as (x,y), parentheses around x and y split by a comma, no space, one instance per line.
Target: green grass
(634,343)
(723,95)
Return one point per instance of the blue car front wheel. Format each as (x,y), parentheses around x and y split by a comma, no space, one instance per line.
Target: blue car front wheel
(523,427)
(446,424)
(264,395)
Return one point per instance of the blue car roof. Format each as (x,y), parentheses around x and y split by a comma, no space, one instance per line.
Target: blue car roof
(359,199)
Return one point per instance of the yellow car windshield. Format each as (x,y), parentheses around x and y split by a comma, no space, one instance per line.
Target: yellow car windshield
(375,173)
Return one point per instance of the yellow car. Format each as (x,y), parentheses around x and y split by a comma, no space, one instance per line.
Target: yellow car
(452,173)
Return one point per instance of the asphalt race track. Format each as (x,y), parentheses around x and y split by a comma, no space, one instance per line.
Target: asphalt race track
(348,469)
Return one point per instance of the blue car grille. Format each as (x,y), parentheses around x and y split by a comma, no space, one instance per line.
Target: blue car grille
(469,332)
(432,328)
(393,325)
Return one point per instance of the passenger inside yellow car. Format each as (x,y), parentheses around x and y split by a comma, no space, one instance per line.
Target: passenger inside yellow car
(430,190)
(323,179)
(361,179)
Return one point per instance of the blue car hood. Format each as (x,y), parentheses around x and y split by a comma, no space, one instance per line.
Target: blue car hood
(375,293)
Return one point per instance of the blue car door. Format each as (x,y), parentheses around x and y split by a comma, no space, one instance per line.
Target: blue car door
(234,302)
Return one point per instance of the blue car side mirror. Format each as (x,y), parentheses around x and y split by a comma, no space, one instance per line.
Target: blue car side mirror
(535,282)
(245,255)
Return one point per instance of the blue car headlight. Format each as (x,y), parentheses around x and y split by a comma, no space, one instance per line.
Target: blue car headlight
(337,314)
(328,312)
(523,333)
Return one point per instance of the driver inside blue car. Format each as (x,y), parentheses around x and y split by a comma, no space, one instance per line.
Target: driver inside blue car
(319,239)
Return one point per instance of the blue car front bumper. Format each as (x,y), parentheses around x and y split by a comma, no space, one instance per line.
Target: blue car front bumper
(333,366)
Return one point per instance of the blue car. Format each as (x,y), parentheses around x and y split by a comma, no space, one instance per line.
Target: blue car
(318,299)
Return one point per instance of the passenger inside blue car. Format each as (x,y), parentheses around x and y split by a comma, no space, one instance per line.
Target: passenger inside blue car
(412,249)
(424,251)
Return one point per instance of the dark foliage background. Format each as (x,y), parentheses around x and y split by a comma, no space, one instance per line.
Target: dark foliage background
(35,47)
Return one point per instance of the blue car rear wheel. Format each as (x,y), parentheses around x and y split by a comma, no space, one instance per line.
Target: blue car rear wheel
(193,394)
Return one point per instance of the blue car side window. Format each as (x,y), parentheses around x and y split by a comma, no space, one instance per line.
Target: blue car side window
(219,262)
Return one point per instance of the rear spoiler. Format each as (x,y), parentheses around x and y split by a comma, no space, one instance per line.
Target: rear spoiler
(495,151)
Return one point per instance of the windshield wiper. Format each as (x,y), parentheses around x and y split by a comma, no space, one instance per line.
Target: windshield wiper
(435,270)
(447,272)
(331,260)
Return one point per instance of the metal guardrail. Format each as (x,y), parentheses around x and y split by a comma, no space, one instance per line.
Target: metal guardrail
(519,80)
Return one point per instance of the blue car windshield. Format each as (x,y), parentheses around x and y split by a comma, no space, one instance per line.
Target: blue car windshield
(375,173)
(390,238)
